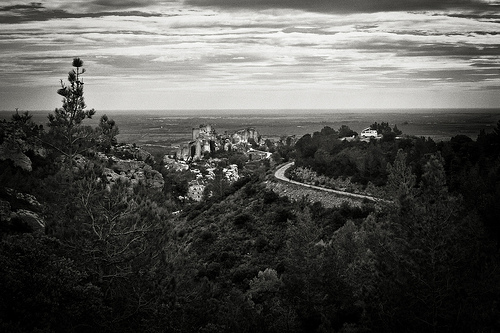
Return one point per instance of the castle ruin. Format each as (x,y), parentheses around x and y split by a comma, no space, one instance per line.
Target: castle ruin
(204,139)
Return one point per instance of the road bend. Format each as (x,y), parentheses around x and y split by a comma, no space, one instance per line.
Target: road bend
(280,174)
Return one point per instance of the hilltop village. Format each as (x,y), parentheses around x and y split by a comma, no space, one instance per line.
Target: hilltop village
(209,154)
(206,140)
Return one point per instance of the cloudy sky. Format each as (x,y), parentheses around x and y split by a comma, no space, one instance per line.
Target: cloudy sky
(253,54)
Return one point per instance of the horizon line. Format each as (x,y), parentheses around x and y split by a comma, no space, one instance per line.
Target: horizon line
(276,109)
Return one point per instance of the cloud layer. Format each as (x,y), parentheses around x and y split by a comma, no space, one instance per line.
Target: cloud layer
(36,11)
(354,6)
(276,54)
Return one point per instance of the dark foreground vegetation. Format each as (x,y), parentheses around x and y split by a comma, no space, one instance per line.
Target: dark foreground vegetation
(127,257)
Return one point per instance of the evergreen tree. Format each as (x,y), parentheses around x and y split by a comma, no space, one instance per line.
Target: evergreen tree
(346,131)
(107,133)
(396,130)
(401,180)
(68,135)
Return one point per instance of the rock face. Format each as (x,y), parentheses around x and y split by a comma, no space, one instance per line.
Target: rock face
(231,173)
(25,197)
(133,169)
(25,218)
(16,144)
(197,187)
(195,192)
(32,219)
(132,152)
(127,165)
(5,210)
(134,173)
(15,155)
(176,165)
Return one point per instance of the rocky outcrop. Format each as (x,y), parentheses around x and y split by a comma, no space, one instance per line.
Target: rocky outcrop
(134,172)
(132,152)
(130,163)
(112,177)
(16,144)
(5,210)
(195,191)
(196,187)
(231,173)
(24,216)
(14,154)
(31,219)
(176,165)
(127,165)
(26,198)
(155,179)
(79,163)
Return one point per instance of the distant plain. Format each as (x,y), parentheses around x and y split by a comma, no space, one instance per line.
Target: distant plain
(167,129)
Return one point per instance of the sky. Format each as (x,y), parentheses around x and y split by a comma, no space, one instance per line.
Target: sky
(253,54)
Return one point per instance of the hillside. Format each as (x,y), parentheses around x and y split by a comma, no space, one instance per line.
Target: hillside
(102,236)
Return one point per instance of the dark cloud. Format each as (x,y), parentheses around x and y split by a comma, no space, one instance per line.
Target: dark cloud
(351,6)
(464,75)
(482,16)
(123,4)
(463,51)
(478,16)
(408,48)
(35,11)
(30,6)
(31,12)
(487,65)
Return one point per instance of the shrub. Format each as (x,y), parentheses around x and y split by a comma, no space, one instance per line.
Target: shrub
(242,219)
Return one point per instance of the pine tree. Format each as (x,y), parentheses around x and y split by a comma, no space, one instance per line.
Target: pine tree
(68,135)
(401,180)
(107,131)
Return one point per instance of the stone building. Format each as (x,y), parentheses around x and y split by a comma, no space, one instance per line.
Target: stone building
(246,136)
(205,139)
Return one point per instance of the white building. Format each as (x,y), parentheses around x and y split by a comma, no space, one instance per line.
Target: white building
(369,133)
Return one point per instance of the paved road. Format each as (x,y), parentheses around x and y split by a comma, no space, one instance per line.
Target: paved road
(280,174)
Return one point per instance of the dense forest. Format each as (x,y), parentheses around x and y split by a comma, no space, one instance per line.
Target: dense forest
(79,253)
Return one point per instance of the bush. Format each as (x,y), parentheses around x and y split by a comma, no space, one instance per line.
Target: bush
(269,197)
(207,236)
(282,215)
(242,219)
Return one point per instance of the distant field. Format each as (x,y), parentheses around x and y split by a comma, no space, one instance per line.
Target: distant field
(167,129)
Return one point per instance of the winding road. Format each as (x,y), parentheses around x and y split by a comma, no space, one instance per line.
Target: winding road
(280,174)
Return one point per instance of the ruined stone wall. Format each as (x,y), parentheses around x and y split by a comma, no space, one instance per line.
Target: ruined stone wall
(244,135)
(205,139)
(195,133)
